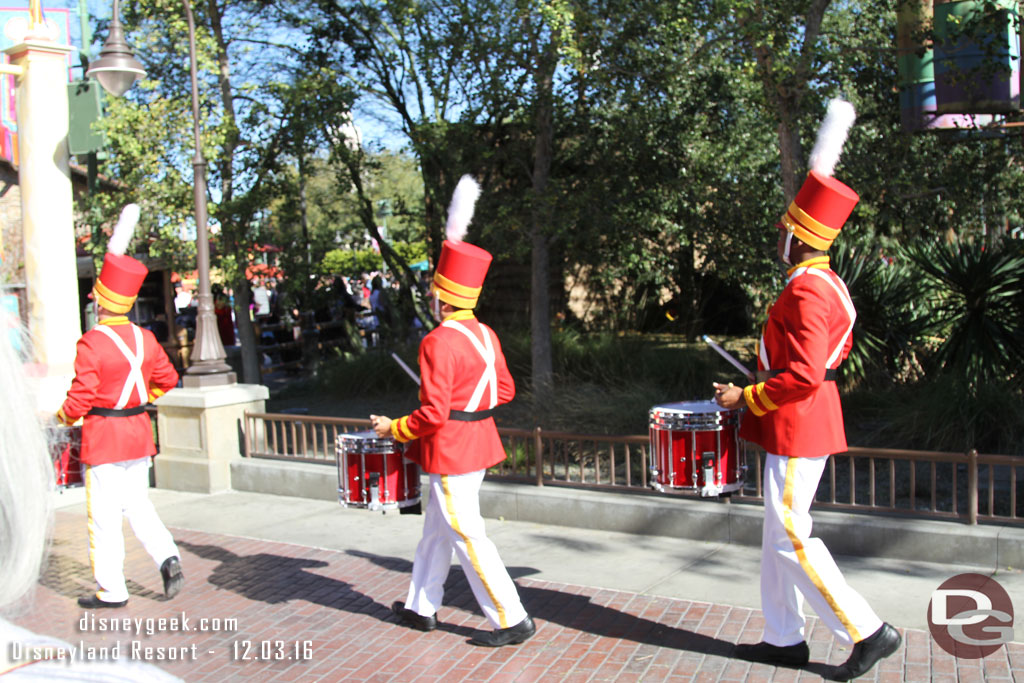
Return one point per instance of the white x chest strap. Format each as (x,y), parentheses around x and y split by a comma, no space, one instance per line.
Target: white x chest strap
(490,375)
(844,297)
(134,380)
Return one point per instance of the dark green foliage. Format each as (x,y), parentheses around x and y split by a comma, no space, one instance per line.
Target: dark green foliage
(935,414)
(890,317)
(373,373)
(972,292)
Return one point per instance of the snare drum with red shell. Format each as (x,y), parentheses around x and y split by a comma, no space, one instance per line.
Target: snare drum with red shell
(695,445)
(373,473)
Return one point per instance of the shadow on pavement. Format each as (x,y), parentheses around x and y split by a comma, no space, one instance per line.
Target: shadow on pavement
(269,578)
(72,578)
(569,610)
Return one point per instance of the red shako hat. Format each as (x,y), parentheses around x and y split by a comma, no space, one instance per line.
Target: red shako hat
(462,267)
(820,210)
(121,276)
(823,204)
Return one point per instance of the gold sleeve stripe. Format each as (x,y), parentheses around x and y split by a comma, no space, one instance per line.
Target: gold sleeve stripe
(400,430)
(748,396)
(404,426)
(762,396)
(395,433)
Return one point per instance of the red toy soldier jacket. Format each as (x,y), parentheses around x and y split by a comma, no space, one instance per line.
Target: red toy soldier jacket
(796,410)
(111,373)
(463,370)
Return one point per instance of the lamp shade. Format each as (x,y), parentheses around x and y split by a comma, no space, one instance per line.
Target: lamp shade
(116,69)
(116,74)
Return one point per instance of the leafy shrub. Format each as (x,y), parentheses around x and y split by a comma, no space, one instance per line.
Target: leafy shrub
(973,293)
(890,321)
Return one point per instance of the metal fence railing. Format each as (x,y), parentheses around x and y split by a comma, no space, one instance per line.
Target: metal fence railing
(971,487)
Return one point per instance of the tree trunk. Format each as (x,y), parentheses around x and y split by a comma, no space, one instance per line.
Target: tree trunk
(785,90)
(790,149)
(307,271)
(233,231)
(540,304)
(246,334)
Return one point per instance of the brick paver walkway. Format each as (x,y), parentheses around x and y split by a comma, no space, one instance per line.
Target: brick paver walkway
(264,611)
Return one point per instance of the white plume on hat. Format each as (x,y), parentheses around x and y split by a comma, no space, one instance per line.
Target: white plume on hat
(832,136)
(460,211)
(124,230)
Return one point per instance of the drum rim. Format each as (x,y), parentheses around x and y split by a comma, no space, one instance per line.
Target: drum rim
(714,408)
(367,443)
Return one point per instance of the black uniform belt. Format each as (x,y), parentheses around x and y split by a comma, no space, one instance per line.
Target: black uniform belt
(831,374)
(115,412)
(463,416)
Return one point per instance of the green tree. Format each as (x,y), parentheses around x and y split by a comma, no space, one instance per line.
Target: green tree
(351,263)
(252,102)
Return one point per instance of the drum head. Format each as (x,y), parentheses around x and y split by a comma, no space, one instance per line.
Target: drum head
(689,408)
(692,416)
(365,442)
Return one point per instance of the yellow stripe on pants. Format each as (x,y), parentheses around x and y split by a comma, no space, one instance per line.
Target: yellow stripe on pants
(450,505)
(801,554)
(91,524)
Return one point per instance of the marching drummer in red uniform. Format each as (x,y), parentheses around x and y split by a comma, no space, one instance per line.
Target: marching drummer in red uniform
(453,437)
(794,413)
(119,368)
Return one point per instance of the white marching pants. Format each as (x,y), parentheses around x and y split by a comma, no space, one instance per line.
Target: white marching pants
(795,567)
(453,524)
(113,491)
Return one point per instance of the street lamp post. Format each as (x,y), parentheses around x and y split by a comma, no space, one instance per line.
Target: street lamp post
(207,367)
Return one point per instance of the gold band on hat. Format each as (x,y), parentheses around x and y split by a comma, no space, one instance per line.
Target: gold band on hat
(111,300)
(807,229)
(456,288)
(455,294)
(455,299)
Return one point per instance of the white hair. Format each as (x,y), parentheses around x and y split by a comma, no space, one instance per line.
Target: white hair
(26,480)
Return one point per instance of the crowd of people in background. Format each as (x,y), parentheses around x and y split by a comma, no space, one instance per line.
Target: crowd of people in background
(368,303)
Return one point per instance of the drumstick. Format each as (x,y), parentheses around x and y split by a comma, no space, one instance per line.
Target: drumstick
(409,371)
(729,357)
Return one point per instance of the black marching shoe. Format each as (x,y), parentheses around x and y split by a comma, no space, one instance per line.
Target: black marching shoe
(779,655)
(513,635)
(879,645)
(412,619)
(174,579)
(93,602)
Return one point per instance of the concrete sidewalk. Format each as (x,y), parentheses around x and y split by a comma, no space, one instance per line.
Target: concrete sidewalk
(309,584)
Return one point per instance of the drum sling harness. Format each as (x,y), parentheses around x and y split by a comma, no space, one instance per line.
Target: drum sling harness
(489,377)
(134,380)
(831,374)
